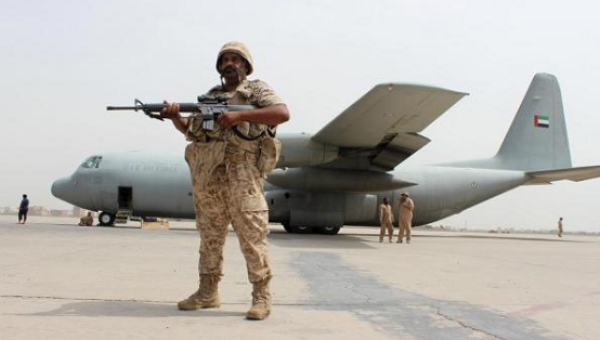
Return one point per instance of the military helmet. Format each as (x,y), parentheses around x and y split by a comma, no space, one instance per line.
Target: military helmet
(239,48)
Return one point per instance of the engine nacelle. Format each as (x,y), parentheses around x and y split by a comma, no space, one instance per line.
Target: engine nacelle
(335,180)
(301,150)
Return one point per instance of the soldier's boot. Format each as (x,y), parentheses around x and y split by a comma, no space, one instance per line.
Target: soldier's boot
(207,296)
(261,301)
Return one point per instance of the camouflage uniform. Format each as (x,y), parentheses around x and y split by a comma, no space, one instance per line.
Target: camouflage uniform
(86,221)
(228,189)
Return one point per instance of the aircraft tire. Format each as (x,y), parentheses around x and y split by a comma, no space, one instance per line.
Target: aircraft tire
(106,219)
(300,229)
(329,230)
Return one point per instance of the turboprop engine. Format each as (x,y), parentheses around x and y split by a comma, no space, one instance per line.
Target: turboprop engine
(335,180)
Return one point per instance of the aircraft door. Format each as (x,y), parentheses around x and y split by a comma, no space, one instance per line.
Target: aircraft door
(125,198)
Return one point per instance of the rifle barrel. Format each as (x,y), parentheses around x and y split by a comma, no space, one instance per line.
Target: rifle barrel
(122,108)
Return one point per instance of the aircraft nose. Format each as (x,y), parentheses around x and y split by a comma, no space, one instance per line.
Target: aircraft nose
(61,188)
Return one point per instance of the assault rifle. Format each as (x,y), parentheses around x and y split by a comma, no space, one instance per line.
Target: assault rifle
(207,108)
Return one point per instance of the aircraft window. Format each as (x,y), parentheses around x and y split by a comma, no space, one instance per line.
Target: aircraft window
(92,162)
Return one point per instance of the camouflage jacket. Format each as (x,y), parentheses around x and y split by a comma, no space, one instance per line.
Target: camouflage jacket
(254,92)
(210,151)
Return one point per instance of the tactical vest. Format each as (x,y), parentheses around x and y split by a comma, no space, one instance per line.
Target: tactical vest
(213,147)
(245,134)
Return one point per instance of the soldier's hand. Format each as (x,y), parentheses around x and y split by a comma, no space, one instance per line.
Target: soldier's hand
(229,119)
(170,111)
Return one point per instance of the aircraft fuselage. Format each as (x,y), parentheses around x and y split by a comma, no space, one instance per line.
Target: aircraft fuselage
(151,184)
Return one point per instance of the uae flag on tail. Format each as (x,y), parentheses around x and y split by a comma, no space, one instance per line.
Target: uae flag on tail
(541,121)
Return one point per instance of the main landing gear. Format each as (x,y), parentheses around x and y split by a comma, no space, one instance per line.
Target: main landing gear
(309,230)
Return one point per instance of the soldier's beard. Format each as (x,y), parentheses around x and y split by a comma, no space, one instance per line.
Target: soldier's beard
(232,76)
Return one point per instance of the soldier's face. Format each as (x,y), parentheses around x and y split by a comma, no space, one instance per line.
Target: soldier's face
(233,67)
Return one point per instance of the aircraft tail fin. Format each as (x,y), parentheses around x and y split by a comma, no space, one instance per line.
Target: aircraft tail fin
(537,139)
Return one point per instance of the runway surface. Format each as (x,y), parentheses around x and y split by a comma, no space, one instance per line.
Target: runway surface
(61,281)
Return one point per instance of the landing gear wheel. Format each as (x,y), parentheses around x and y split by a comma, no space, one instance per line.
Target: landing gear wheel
(329,230)
(300,229)
(106,219)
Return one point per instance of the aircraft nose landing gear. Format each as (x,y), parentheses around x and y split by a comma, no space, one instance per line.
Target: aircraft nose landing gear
(106,219)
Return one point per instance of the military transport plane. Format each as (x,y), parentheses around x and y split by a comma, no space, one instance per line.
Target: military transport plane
(340,175)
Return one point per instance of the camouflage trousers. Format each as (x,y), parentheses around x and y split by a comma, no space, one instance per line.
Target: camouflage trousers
(233,195)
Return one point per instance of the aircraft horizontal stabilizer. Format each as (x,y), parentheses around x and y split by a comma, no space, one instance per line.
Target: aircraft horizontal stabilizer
(571,174)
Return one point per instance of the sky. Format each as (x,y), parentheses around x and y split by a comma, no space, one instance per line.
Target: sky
(63,62)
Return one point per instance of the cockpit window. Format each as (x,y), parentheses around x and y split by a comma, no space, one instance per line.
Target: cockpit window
(92,162)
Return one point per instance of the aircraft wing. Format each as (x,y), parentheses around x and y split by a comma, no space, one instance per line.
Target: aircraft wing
(571,174)
(381,129)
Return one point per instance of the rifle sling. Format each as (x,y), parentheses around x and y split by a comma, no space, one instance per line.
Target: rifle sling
(243,136)
(248,138)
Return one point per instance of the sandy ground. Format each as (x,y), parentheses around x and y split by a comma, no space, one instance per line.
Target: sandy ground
(61,281)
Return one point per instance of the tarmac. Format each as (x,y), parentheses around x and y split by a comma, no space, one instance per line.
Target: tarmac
(62,281)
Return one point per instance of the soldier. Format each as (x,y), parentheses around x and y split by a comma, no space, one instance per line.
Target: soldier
(87,220)
(227,179)
(386,218)
(406,214)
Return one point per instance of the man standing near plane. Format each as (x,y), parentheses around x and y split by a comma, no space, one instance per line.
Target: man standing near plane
(406,214)
(386,219)
(227,181)
(560,227)
(23,209)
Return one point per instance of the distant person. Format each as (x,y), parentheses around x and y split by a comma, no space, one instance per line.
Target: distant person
(23,208)
(87,220)
(560,227)
(406,214)
(386,219)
